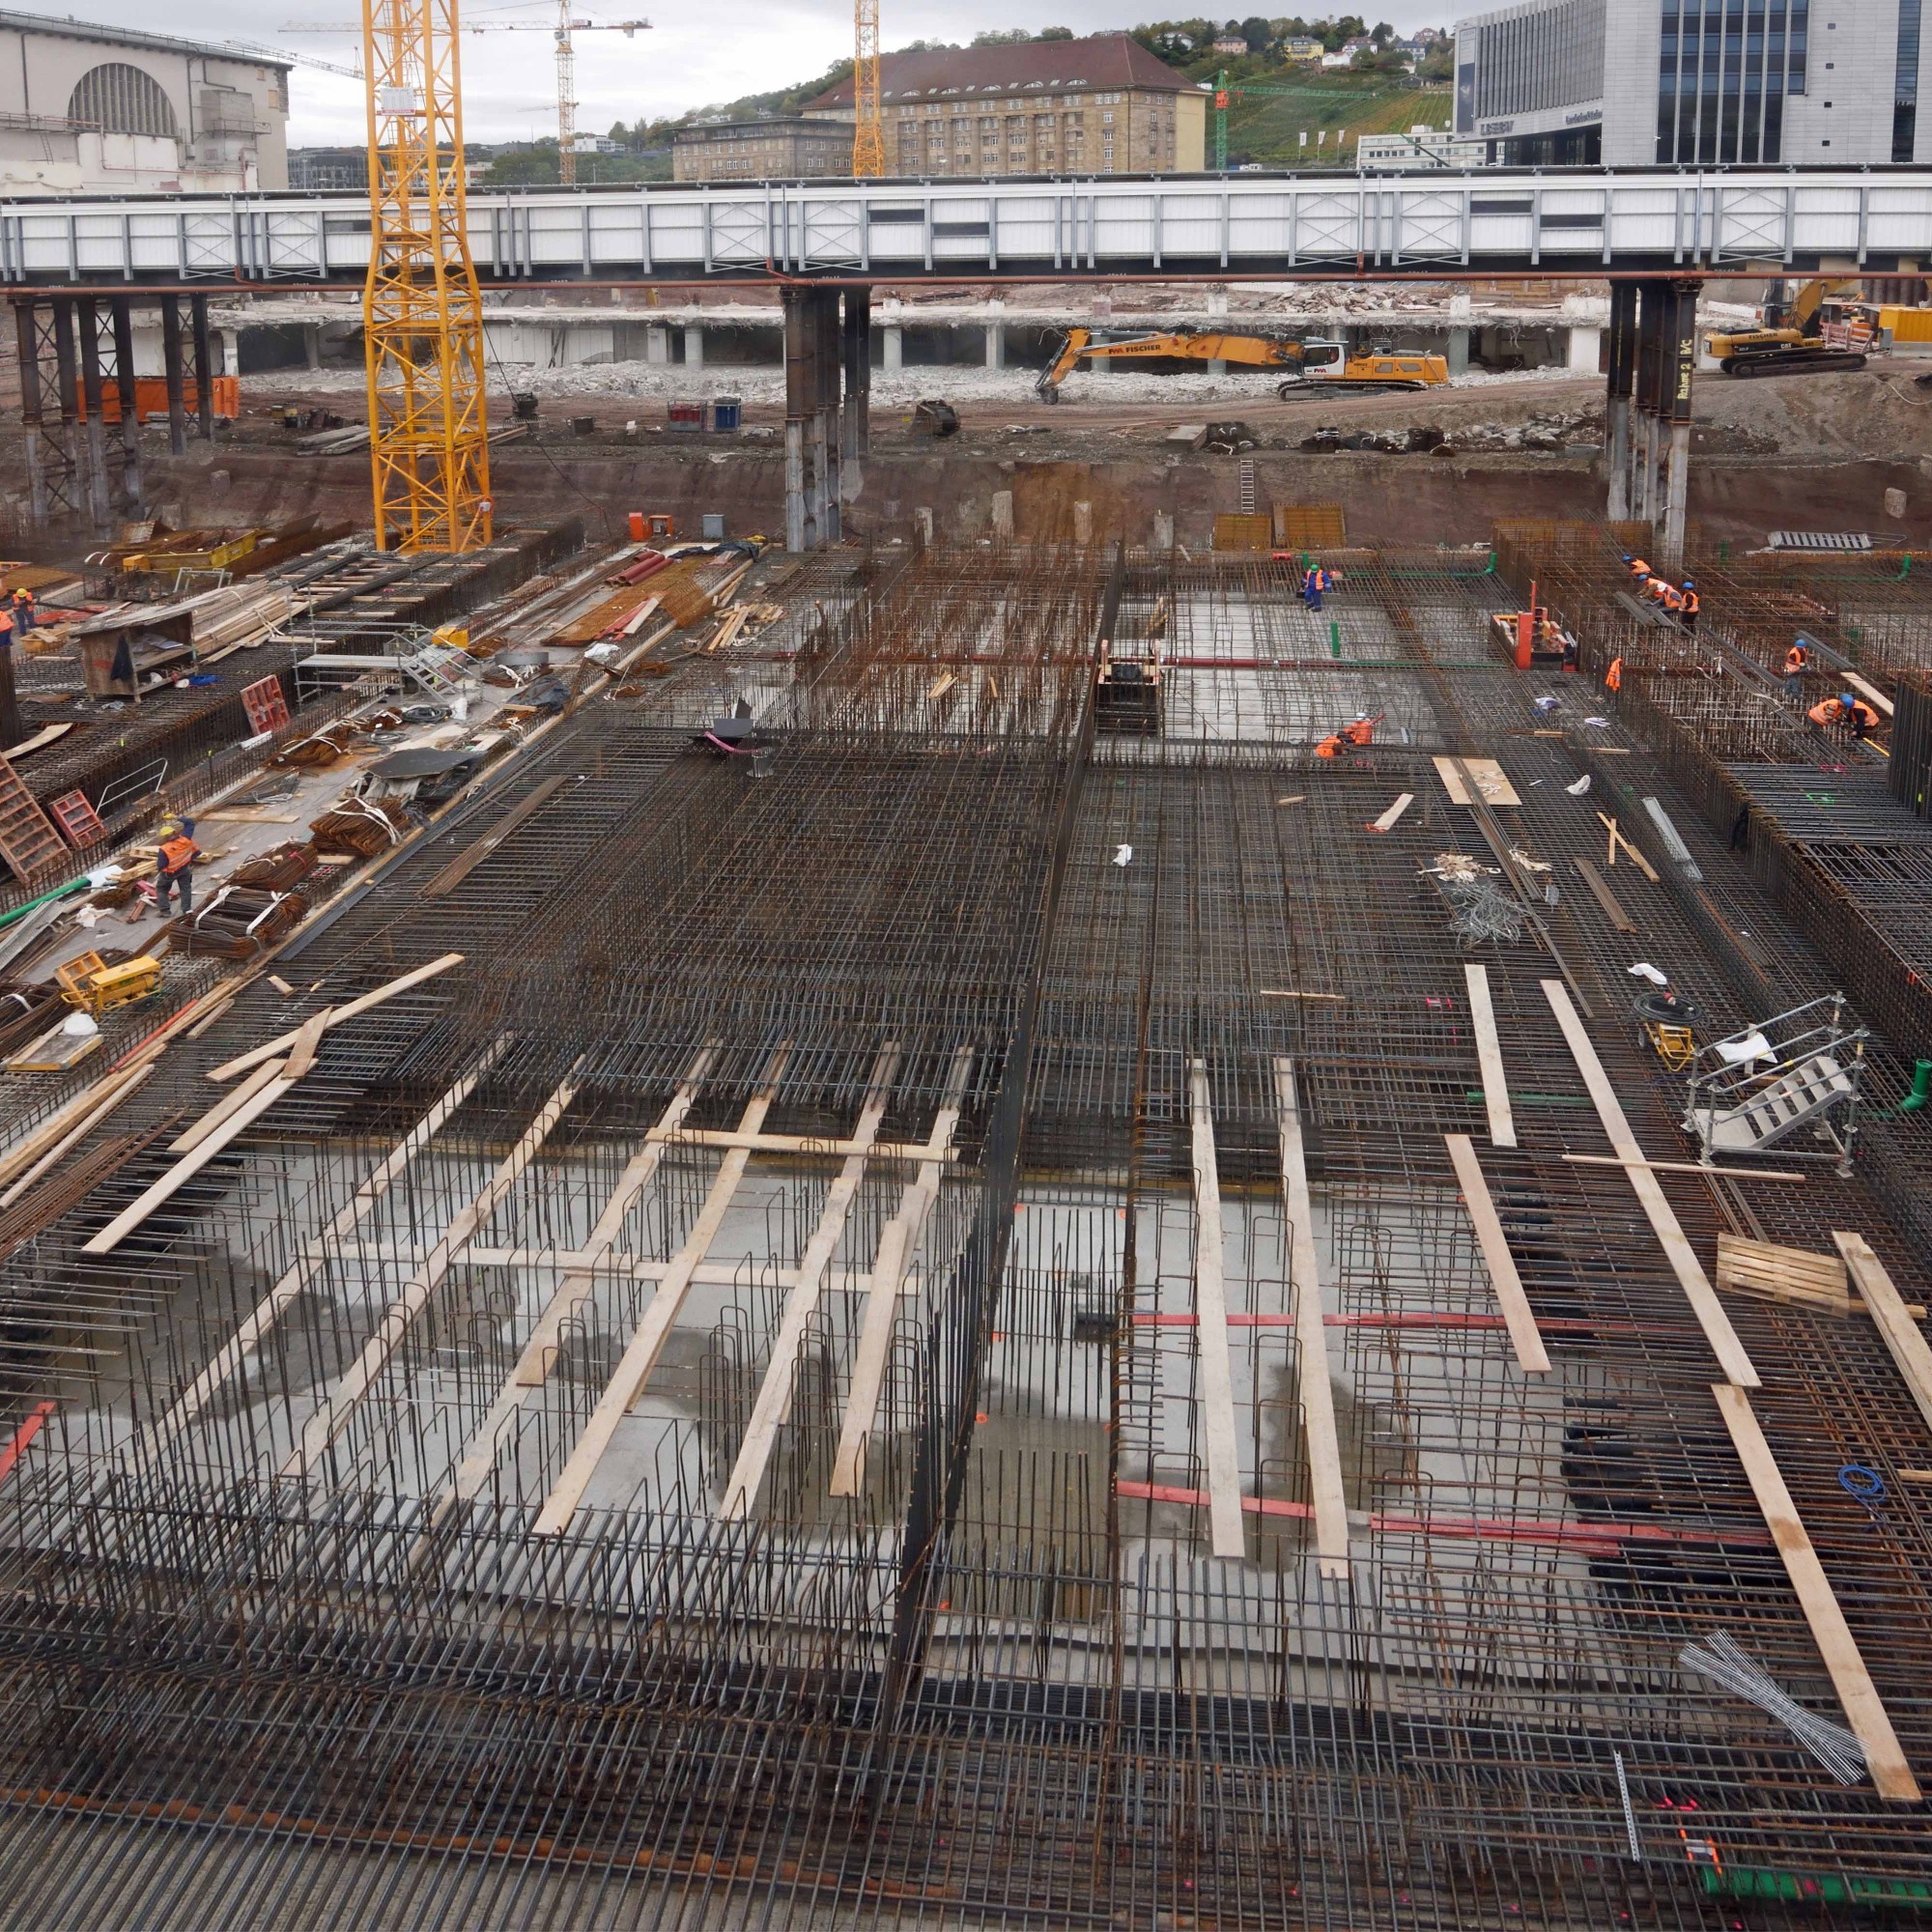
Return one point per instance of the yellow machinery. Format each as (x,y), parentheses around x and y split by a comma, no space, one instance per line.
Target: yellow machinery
(869,134)
(422,318)
(1318,365)
(88,982)
(1795,342)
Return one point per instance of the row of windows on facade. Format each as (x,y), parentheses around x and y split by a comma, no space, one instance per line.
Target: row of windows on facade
(122,100)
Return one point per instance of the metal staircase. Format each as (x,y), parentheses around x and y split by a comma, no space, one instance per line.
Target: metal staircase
(1798,1074)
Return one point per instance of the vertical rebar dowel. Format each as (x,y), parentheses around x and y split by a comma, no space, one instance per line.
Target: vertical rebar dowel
(204,372)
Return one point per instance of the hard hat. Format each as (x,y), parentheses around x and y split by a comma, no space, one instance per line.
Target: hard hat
(1628,558)
(1689,584)
(1846,699)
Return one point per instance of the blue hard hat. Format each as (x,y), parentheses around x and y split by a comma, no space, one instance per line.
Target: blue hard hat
(1846,699)
(1689,584)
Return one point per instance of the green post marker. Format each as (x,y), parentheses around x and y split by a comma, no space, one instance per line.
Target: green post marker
(1334,636)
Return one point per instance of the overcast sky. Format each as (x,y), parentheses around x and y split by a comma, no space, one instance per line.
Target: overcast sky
(693,56)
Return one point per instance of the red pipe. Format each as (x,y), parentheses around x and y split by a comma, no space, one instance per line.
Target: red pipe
(24,1434)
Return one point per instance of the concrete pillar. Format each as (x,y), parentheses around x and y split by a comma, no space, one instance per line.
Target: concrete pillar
(800,397)
(122,314)
(1163,531)
(1617,405)
(1679,401)
(28,348)
(93,391)
(996,345)
(826,435)
(204,367)
(1458,356)
(1003,516)
(657,345)
(1083,523)
(312,344)
(855,439)
(1585,349)
(693,346)
(171,372)
(922,527)
(893,342)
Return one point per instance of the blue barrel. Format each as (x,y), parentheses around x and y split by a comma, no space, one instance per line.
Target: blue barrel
(725,411)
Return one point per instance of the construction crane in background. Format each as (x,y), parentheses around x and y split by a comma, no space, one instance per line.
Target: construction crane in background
(868,133)
(422,316)
(249,51)
(563,28)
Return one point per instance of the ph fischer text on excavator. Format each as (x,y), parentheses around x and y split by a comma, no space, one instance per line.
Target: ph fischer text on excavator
(1317,366)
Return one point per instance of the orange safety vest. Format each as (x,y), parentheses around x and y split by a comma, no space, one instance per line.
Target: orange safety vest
(1613,678)
(1692,604)
(1361,732)
(6,621)
(1329,748)
(1639,569)
(1796,662)
(178,854)
(1671,598)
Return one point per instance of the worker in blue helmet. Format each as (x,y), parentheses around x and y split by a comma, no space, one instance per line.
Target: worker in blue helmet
(1687,610)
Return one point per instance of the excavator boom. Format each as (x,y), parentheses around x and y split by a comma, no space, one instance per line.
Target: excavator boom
(1378,371)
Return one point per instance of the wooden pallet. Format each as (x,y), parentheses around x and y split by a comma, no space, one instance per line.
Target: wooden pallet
(28,840)
(1783,1274)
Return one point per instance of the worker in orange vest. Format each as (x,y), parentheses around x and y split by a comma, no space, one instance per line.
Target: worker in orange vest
(1613,678)
(1844,713)
(1361,732)
(1690,605)
(174,863)
(1669,597)
(1638,569)
(1330,746)
(25,611)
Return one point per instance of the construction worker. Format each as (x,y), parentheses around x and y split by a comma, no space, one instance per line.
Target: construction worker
(1669,597)
(1361,732)
(6,626)
(1312,585)
(1639,572)
(1690,605)
(1844,713)
(1656,590)
(1332,746)
(25,611)
(1797,662)
(1613,678)
(174,863)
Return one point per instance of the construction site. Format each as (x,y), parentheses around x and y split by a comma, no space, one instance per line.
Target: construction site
(1134,1163)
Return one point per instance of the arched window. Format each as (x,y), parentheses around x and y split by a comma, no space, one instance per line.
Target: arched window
(122,100)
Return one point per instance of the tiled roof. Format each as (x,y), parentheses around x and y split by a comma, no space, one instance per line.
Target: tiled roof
(1104,60)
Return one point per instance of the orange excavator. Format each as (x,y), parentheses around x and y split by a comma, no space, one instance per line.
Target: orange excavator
(1318,367)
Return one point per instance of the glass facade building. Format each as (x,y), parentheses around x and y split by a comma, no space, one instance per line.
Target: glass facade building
(1725,69)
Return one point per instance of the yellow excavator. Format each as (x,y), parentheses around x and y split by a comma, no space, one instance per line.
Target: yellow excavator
(1796,338)
(1318,366)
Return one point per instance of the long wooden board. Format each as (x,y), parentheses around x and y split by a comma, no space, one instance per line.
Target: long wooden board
(1488,776)
(1227,1535)
(270,1049)
(1524,1336)
(773,1401)
(1893,1319)
(1856,1692)
(1489,1057)
(1613,911)
(1663,1218)
(1783,1274)
(1311,1337)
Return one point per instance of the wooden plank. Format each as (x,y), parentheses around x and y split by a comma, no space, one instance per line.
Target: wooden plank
(1892,1319)
(1870,692)
(773,1401)
(282,1043)
(308,1040)
(1782,1274)
(1620,842)
(797,1144)
(1225,1531)
(897,1243)
(544,1342)
(230,1102)
(471,856)
(1684,1166)
(639,1357)
(1620,920)
(333,1413)
(1530,1353)
(1310,1338)
(26,1163)
(186,1168)
(1485,774)
(1387,822)
(1864,1709)
(48,734)
(1490,1056)
(1669,1231)
(271,1307)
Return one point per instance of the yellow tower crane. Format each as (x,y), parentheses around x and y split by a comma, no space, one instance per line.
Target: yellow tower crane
(869,134)
(422,318)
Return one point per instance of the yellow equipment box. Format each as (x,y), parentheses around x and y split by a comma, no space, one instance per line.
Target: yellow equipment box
(88,982)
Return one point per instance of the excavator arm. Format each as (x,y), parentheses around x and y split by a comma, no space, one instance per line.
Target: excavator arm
(1261,352)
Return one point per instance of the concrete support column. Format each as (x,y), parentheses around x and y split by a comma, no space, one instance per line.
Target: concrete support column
(893,338)
(1682,349)
(1163,531)
(1458,356)
(801,531)
(171,370)
(826,436)
(996,345)
(88,326)
(312,342)
(693,346)
(657,345)
(856,418)
(29,349)
(1003,516)
(124,384)
(1617,407)
(204,367)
